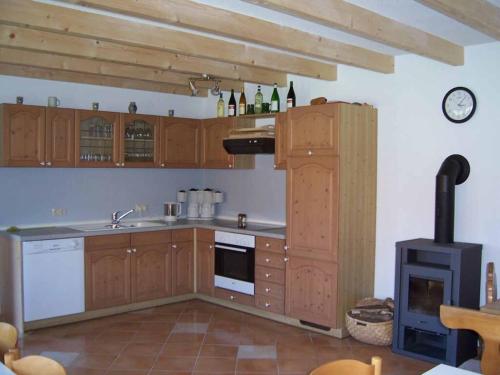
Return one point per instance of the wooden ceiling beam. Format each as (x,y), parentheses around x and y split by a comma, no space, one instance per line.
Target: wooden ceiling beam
(478,14)
(93,79)
(75,22)
(356,20)
(205,18)
(76,64)
(43,41)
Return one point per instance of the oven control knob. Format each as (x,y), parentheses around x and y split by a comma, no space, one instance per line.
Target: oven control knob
(268,290)
(268,260)
(268,275)
(232,298)
(268,304)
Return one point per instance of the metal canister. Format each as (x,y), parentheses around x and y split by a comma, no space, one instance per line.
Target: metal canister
(242,220)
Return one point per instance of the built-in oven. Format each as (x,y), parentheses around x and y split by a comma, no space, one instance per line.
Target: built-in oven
(235,262)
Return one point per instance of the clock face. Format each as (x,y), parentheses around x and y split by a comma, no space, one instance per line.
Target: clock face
(459,104)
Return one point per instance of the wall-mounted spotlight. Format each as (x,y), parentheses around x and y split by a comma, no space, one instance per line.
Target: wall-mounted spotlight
(207,78)
(192,87)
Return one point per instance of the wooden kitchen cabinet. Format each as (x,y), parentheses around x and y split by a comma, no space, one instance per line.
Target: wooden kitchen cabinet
(205,261)
(280,145)
(213,154)
(107,276)
(331,206)
(23,133)
(59,137)
(97,140)
(182,261)
(126,268)
(180,142)
(139,140)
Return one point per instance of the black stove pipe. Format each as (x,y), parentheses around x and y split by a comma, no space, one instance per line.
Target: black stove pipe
(454,171)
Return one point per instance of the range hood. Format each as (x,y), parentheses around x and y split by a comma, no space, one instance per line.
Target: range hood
(256,145)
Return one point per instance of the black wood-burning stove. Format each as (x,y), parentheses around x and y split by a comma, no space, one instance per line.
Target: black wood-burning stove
(434,272)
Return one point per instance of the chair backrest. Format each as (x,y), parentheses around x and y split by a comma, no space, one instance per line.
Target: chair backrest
(350,367)
(34,365)
(486,325)
(8,337)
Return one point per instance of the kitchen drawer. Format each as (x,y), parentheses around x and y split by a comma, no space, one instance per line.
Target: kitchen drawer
(273,275)
(205,235)
(236,297)
(270,304)
(151,238)
(270,244)
(182,235)
(268,289)
(267,259)
(111,241)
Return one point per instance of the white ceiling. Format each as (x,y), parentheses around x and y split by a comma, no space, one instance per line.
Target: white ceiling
(406,11)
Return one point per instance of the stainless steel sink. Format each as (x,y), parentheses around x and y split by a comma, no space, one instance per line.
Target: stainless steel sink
(129,225)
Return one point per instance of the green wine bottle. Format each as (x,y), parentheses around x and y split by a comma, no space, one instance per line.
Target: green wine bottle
(220,106)
(275,100)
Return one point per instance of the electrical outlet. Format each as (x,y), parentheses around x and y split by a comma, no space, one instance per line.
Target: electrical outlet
(58,211)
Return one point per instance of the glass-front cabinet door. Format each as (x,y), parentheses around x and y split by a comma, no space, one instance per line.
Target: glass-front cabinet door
(97,142)
(140,140)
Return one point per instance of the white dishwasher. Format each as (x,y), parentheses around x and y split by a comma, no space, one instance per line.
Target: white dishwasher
(53,278)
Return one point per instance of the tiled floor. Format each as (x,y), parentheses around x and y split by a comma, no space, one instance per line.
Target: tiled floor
(199,338)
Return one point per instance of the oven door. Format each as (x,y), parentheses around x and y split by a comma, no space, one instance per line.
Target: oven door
(234,267)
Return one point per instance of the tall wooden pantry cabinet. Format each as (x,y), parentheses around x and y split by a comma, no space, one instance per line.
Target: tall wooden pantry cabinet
(331,197)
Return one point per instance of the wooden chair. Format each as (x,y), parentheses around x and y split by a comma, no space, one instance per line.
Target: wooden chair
(350,367)
(33,365)
(8,340)
(486,325)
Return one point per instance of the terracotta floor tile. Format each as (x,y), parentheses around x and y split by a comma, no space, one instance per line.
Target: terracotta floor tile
(101,347)
(181,349)
(186,337)
(133,362)
(257,365)
(215,365)
(223,338)
(150,336)
(94,361)
(175,364)
(128,372)
(219,351)
(83,371)
(158,327)
(142,348)
(117,336)
(159,372)
(296,365)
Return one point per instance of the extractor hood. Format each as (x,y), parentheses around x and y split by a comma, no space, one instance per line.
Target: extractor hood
(257,145)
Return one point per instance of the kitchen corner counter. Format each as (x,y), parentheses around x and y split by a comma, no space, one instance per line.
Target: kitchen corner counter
(57,232)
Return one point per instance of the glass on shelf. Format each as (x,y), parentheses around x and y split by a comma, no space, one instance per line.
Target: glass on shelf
(139,145)
(96,140)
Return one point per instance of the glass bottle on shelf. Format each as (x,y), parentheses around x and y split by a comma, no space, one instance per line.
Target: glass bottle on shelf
(290,98)
(231,107)
(258,100)
(243,102)
(220,106)
(275,100)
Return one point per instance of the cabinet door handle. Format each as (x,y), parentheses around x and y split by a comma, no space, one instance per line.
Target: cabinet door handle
(267,304)
(174,246)
(123,164)
(117,164)
(162,165)
(42,163)
(268,290)
(274,166)
(286,259)
(285,248)
(129,251)
(210,247)
(268,244)
(134,250)
(48,164)
(309,152)
(268,260)
(232,298)
(268,275)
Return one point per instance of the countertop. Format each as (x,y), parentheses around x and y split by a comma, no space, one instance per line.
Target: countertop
(56,232)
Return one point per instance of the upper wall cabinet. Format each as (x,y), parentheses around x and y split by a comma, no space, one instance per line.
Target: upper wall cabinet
(139,140)
(213,154)
(22,142)
(36,136)
(180,143)
(313,130)
(97,139)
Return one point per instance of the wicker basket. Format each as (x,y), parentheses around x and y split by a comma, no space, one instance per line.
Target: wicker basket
(371,322)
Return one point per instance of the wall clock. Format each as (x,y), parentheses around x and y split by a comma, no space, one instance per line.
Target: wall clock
(459,104)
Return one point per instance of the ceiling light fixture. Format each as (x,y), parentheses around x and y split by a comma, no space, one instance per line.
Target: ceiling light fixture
(207,78)
(192,87)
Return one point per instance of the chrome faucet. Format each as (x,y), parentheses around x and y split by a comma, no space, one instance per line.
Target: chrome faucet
(115,219)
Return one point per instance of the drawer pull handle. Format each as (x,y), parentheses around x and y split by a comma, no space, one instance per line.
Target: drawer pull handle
(268,275)
(285,259)
(134,250)
(129,251)
(232,298)
(268,290)
(268,260)
(268,304)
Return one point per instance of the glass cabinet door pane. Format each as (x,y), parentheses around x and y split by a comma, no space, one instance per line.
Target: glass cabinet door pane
(139,141)
(96,140)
